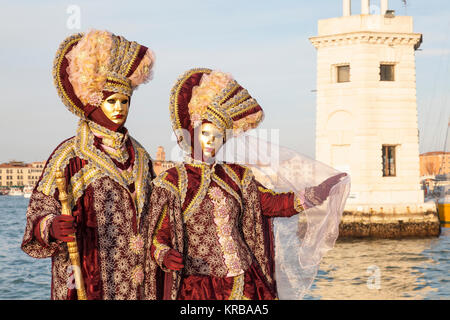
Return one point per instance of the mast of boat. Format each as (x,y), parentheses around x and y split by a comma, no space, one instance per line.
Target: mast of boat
(444,162)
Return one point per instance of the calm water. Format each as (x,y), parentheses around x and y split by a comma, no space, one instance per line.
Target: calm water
(357,269)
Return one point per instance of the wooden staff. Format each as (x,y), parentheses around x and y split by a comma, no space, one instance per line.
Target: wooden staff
(72,245)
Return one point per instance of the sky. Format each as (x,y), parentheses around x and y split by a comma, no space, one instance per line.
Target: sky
(263,44)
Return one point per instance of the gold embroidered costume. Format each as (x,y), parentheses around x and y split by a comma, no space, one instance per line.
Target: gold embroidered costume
(107,172)
(216,214)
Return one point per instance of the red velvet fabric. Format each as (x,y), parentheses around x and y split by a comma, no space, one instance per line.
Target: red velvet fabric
(62,228)
(99,117)
(162,235)
(137,61)
(37,233)
(269,244)
(247,113)
(66,85)
(226,178)
(194,181)
(277,205)
(173,260)
(184,97)
(87,238)
(197,287)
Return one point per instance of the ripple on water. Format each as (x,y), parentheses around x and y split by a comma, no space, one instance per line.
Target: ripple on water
(21,277)
(405,269)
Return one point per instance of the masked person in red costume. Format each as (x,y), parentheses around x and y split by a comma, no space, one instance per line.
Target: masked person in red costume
(107,172)
(210,232)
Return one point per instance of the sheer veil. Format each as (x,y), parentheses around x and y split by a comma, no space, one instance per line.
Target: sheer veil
(302,240)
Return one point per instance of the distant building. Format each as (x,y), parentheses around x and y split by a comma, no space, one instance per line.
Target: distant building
(160,164)
(19,174)
(434,163)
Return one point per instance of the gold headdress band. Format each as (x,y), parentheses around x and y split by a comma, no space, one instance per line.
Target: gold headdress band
(227,105)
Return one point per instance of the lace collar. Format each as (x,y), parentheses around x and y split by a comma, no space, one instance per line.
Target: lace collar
(114,143)
(111,139)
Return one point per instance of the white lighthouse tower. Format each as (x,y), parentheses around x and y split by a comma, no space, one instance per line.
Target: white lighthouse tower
(366,122)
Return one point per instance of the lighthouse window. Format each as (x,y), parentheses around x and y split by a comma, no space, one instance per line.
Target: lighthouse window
(343,73)
(388,161)
(387,72)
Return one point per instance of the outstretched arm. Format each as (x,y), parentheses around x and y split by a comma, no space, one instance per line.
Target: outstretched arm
(278,204)
(287,204)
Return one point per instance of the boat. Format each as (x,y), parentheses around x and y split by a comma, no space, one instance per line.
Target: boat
(27,191)
(444,211)
(443,204)
(15,192)
(443,201)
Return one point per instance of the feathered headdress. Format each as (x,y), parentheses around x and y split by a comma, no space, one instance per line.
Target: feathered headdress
(89,67)
(214,96)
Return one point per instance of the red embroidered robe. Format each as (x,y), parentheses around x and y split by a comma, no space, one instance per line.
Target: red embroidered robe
(220,219)
(108,175)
